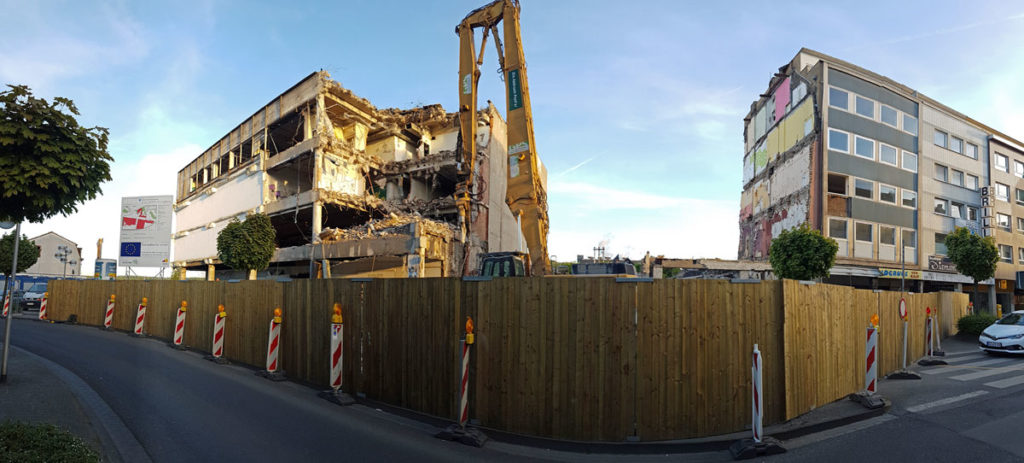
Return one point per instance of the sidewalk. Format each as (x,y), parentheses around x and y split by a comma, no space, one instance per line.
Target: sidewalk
(38,391)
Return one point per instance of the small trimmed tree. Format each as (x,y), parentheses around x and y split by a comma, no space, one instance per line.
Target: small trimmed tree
(28,253)
(974,256)
(248,245)
(802,253)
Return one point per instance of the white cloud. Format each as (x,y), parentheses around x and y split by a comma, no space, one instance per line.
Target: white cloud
(154,174)
(633,222)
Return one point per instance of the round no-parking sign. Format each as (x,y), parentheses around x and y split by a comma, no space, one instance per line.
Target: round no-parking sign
(903,308)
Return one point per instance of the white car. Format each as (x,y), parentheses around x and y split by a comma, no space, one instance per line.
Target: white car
(1006,335)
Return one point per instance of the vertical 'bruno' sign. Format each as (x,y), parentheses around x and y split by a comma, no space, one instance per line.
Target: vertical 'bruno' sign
(515,90)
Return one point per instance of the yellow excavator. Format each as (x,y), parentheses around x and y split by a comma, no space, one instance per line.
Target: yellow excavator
(525,192)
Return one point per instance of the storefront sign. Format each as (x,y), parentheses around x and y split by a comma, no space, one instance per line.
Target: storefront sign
(897,273)
(941,264)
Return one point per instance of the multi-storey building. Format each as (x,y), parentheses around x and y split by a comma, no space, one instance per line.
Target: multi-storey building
(885,171)
(351,190)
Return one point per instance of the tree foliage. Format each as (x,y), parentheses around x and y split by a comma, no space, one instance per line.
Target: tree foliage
(247,245)
(973,255)
(28,253)
(802,253)
(48,163)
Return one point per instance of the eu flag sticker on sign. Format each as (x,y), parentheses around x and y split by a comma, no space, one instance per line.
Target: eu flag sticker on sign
(131,249)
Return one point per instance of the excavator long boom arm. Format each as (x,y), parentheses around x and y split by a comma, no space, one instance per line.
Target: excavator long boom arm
(525,192)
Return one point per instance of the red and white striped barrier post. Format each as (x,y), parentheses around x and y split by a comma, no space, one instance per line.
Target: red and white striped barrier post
(42,306)
(871,361)
(179,327)
(759,444)
(273,349)
(459,432)
(930,339)
(108,319)
(140,318)
(7,304)
(217,351)
(464,390)
(928,333)
(337,342)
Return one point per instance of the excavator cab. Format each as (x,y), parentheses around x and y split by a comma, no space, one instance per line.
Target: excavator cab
(504,264)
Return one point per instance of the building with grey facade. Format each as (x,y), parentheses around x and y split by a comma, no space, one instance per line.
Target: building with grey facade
(885,171)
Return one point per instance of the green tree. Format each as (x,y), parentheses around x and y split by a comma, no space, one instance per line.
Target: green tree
(48,163)
(802,253)
(974,256)
(28,253)
(247,245)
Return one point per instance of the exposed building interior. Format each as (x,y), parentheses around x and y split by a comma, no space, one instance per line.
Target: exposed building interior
(351,190)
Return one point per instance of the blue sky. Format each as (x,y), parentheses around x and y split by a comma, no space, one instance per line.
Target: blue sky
(638,107)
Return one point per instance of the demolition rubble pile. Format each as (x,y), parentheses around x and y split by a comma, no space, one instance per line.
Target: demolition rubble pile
(392,225)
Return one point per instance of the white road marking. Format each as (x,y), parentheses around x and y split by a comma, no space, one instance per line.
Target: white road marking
(946,401)
(1008,382)
(984,374)
(966,352)
(836,432)
(952,368)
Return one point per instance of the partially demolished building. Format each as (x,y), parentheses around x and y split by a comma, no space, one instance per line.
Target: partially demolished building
(352,190)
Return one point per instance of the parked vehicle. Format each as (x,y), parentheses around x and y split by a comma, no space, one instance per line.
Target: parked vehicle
(33,296)
(1006,335)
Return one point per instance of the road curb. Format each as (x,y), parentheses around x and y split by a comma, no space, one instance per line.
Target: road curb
(696,445)
(112,429)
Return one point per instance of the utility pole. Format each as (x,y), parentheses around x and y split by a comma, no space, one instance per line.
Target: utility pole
(10,316)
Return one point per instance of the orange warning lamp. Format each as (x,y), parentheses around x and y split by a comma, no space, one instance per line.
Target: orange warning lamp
(111,297)
(144,301)
(336,318)
(277,315)
(220,311)
(874,320)
(469,330)
(928,310)
(46,294)
(184,306)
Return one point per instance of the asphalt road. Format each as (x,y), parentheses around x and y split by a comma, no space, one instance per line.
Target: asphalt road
(183,408)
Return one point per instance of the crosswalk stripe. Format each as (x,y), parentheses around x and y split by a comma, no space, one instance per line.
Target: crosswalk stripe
(966,352)
(941,370)
(971,358)
(1008,382)
(985,374)
(946,401)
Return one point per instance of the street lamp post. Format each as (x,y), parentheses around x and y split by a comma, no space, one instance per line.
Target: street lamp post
(62,255)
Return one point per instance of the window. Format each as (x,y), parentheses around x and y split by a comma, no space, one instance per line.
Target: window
(1006,253)
(1020,224)
(837,228)
(972,182)
(941,206)
(839,141)
(956,177)
(910,199)
(887,154)
(887,194)
(886,235)
(972,151)
(1020,196)
(1002,192)
(838,98)
(865,107)
(799,92)
(889,116)
(837,184)
(940,138)
(808,126)
(909,238)
(910,124)
(910,161)
(940,244)
(1003,221)
(1020,255)
(1018,168)
(1002,163)
(864,147)
(941,173)
(956,144)
(864,188)
(863,232)
(972,213)
(956,210)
